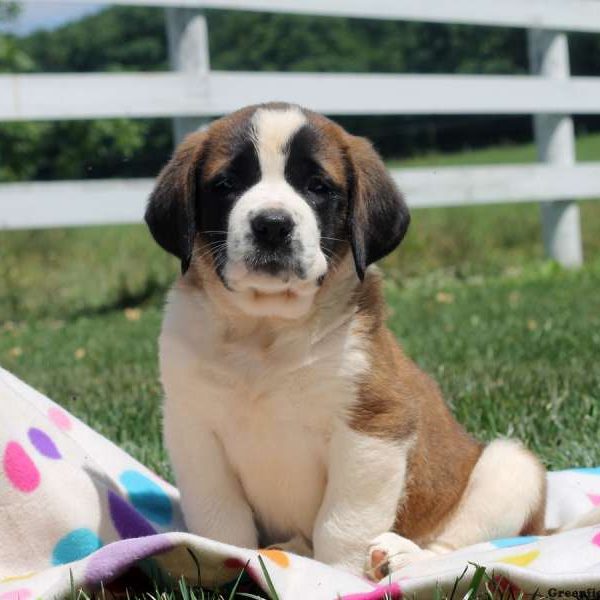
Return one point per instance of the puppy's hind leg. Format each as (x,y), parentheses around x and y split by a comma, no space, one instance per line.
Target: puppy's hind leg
(505,497)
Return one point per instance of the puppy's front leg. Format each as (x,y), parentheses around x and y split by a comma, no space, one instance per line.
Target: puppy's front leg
(366,478)
(212,498)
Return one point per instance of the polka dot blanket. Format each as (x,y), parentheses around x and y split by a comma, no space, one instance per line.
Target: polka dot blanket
(75,510)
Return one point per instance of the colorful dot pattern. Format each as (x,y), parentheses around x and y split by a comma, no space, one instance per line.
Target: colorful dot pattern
(279,557)
(514,541)
(75,545)
(20,594)
(19,469)
(147,497)
(127,521)
(594,499)
(587,471)
(521,560)
(59,418)
(136,505)
(43,443)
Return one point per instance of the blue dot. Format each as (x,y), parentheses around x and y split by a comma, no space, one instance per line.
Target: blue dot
(587,470)
(514,541)
(147,497)
(77,544)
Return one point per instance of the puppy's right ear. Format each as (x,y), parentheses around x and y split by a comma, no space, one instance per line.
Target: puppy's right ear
(378,217)
(171,211)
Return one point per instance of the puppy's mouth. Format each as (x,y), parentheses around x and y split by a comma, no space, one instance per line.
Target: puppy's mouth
(288,295)
(277,264)
(269,289)
(272,279)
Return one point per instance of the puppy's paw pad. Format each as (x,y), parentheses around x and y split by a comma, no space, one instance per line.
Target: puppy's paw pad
(390,552)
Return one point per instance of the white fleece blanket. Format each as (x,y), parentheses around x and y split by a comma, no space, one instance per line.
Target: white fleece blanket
(77,510)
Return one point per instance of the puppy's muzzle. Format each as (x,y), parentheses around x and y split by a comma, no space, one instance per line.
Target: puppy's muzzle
(272,241)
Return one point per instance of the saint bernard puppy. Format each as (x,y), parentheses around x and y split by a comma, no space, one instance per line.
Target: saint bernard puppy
(292,417)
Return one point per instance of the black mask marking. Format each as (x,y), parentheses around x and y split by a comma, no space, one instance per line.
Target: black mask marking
(310,180)
(219,196)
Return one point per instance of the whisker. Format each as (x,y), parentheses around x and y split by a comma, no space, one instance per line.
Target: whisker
(212,245)
(204,252)
(215,243)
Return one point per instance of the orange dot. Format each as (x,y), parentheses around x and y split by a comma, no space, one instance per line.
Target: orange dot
(277,556)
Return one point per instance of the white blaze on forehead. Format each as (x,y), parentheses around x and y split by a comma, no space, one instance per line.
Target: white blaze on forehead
(289,294)
(273,129)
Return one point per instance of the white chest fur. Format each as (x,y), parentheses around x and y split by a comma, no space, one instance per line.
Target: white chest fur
(270,400)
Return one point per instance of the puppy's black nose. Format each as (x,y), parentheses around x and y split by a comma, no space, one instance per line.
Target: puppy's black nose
(272,227)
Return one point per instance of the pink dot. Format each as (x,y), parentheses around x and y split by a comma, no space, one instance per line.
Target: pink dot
(595,499)
(20,594)
(596,539)
(19,468)
(59,418)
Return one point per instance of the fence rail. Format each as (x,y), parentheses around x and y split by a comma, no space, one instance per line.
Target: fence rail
(100,95)
(60,204)
(560,15)
(192,92)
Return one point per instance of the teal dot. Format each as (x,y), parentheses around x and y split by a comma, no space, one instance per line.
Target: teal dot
(77,544)
(147,497)
(587,470)
(514,541)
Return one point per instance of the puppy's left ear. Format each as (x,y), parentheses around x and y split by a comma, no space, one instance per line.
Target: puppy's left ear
(171,211)
(378,216)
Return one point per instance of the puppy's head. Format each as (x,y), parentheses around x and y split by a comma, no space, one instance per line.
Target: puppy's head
(271,198)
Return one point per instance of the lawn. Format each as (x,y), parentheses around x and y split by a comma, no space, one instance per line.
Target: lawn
(513,339)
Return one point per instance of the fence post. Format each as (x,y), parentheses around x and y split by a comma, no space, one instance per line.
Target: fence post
(187,36)
(555,139)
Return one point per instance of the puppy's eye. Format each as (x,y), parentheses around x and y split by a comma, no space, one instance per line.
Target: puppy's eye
(318,185)
(226,183)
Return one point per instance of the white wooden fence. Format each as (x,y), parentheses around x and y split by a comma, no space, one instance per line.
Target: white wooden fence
(192,92)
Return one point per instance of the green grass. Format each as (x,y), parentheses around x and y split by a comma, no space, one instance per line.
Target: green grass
(513,340)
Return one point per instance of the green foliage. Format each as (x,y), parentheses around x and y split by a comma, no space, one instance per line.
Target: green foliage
(20,149)
(269,42)
(116,39)
(83,149)
(12,57)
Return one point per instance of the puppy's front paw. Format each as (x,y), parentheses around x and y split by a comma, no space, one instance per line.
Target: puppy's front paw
(296,545)
(390,552)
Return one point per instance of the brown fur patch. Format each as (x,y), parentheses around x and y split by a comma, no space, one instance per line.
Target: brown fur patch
(397,401)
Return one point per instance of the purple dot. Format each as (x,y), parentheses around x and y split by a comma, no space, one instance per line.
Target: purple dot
(43,444)
(110,561)
(127,521)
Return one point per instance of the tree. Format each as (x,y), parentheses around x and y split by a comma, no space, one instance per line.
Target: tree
(12,57)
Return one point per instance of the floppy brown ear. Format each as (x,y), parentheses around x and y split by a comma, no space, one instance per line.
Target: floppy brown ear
(378,216)
(170,212)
